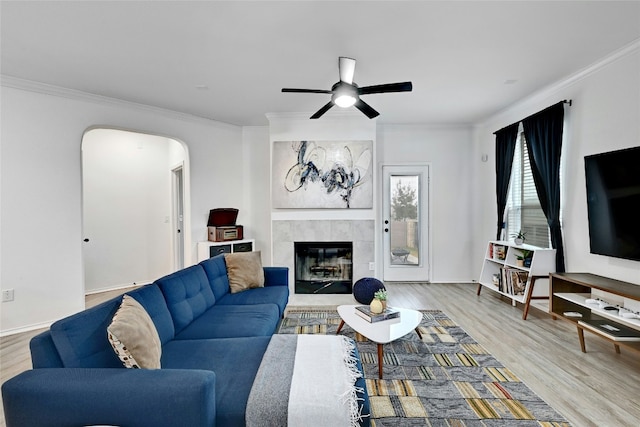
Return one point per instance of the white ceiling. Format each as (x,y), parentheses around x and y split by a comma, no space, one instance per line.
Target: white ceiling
(229,60)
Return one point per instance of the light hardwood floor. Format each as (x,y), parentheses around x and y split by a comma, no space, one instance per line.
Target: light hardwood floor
(599,388)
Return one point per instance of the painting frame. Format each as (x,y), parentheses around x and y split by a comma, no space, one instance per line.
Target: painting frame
(310,174)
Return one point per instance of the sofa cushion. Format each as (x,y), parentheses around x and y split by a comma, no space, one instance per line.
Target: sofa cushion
(216,271)
(150,297)
(188,295)
(134,337)
(226,321)
(235,362)
(276,276)
(74,397)
(278,295)
(81,339)
(44,353)
(244,270)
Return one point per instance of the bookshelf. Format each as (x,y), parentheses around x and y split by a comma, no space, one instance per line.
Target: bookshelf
(502,273)
(583,298)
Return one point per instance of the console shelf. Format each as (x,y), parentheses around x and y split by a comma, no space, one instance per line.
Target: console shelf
(210,249)
(580,298)
(502,273)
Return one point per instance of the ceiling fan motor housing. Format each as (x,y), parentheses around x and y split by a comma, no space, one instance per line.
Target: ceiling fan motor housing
(344,94)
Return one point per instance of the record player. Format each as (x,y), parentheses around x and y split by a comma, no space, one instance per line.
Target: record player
(222,225)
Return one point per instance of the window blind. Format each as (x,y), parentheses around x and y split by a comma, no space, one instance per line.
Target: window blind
(523,207)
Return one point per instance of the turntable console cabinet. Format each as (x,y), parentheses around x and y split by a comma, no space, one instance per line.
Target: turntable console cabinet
(211,249)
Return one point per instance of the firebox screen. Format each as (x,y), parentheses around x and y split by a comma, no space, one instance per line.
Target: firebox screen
(323,267)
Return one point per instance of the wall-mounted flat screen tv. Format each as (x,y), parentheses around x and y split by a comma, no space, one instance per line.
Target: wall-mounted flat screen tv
(613,201)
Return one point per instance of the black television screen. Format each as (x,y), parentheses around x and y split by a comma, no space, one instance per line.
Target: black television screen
(613,202)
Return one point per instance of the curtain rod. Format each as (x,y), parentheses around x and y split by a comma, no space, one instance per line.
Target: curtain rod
(564,101)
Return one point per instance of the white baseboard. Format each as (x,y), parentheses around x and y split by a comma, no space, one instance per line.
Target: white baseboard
(28,328)
(117,287)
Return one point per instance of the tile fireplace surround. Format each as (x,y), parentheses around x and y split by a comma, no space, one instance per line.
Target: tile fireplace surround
(360,232)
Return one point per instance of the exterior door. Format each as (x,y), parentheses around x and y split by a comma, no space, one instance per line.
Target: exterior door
(405,224)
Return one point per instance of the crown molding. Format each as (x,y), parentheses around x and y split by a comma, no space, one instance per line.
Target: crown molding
(570,80)
(62,92)
(616,55)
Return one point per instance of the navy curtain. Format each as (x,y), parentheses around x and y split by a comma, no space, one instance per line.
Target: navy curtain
(505,148)
(543,133)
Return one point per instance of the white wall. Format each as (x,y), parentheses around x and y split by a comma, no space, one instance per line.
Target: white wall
(41,223)
(605,116)
(127,202)
(448,151)
(257,195)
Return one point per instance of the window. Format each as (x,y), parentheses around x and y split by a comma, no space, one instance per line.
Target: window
(523,211)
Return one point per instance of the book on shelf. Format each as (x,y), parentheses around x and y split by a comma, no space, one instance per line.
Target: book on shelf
(573,314)
(612,330)
(365,312)
(519,281)
(512,281)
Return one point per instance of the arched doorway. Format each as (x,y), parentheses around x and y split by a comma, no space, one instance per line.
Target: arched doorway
(134,201)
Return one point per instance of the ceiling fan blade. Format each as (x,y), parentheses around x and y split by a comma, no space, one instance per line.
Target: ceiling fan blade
(286,89)
(323,110)
(385,88)
(366,109)
(347,67)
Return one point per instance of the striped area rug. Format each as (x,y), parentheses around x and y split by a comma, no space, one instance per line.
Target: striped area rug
(445,379)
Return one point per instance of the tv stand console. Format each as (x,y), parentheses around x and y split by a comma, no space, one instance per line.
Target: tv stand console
(605,307)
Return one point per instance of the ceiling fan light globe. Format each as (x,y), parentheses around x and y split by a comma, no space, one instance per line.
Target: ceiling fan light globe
(344,101)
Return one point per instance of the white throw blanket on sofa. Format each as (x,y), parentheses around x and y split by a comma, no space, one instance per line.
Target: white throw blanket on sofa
(305,380)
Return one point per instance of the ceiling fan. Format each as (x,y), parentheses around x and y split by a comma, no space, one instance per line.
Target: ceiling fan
(346,93)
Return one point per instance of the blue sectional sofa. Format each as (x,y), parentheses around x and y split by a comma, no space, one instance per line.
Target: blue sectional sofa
(212,344)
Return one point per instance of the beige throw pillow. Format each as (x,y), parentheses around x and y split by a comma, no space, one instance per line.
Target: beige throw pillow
(244,270)
(134,337)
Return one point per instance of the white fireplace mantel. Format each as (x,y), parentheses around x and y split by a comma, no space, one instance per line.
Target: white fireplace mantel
(286,232)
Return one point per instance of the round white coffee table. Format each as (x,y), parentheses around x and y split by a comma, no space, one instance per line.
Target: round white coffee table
(382,332)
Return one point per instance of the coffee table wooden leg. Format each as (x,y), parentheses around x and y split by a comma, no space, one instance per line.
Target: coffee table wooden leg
(419,334)
(380,354)
(340,327)
(581,339)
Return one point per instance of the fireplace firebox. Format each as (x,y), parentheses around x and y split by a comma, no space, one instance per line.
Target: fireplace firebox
(323,267)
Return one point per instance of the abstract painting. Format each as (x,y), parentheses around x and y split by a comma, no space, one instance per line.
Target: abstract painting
(322,174)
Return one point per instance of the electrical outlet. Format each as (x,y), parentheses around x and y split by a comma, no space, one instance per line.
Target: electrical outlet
(7,295)
(372,266)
